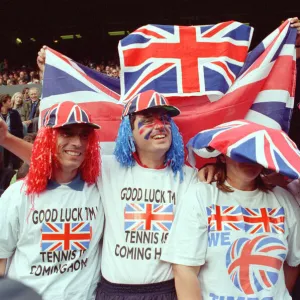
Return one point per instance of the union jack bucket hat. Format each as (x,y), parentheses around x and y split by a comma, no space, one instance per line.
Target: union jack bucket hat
(149,100)
(67,113)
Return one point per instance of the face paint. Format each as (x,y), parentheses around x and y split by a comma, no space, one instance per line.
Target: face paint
(151,123)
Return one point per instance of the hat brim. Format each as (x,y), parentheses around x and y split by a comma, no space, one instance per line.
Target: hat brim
(92,125)
(170,110)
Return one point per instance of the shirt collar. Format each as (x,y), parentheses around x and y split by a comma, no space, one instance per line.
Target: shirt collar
(76,184)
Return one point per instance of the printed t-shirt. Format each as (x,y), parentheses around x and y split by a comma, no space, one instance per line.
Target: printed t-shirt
(55,246)
(139,206)
(239,239)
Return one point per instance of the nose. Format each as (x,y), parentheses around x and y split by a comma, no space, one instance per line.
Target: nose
(76,140)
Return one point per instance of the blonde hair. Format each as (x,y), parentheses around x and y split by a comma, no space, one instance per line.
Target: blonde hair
(13,98)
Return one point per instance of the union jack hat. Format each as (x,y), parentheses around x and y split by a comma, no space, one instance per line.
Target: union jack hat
(67,113)
(149,100)
(248,142)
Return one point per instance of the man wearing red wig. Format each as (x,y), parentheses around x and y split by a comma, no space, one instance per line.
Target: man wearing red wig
(51,222)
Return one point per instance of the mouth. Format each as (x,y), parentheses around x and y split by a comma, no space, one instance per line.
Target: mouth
(72,153)
(159,136)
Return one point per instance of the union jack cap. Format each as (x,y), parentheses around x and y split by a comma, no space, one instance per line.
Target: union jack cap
(248,142)
(149,100)
(67,113)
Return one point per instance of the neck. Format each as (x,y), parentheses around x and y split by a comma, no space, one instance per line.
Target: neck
(240,183)
(151,160)
(64,176)
(4,110)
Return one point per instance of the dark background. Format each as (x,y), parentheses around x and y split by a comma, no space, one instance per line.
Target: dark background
(46,21)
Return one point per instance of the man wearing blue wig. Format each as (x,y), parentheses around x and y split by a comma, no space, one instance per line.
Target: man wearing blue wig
(140,186)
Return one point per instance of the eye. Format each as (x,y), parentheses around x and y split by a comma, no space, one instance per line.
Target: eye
(84,135)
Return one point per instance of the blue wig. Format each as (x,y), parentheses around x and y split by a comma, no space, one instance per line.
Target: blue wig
(125,147)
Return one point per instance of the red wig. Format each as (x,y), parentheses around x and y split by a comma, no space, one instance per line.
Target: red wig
(44,160)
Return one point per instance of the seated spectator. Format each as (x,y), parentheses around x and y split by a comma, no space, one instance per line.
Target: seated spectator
(31,110)
(17,102)
(13,120)
(25,94)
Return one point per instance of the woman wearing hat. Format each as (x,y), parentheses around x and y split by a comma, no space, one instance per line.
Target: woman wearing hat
(238,235)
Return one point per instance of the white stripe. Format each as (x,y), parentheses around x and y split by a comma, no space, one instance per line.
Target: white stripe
(261,119)
(77,97)
(280,96)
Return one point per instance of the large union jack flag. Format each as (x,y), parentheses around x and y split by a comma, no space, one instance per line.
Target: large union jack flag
(154,217)
(254,264)
(260,220)
(249,142)
(183,60)
(66,236)
(262,92)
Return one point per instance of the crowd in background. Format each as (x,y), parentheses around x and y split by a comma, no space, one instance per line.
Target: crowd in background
(28,75)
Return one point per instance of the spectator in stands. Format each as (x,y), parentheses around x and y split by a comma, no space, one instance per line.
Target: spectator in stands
(17,102)
(13,120)
(25,94)
(31,110)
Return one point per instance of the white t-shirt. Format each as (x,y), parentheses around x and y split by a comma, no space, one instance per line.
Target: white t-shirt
(53,239)
(239,239)
(294,188)
(139,208)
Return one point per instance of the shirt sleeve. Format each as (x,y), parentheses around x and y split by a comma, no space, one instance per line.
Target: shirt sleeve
(187,241)
(293,257)
(9,222)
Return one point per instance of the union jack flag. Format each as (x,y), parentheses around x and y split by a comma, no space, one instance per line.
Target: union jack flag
(181,60)
(224,218)
(260,220)
(248,142)
(262,92)
(66,236)
(254,264)
(154,217)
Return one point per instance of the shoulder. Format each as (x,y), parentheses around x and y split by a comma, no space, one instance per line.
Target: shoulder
(287,201)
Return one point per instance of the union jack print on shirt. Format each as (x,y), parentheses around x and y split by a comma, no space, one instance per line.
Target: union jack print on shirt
(254,264)
(185,60)
(155,217)
(251,220)
(224,218)
(66,236)
(259,220)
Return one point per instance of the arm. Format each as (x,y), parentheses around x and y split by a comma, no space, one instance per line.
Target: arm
(2,266)
(13,144)
(186,282)
(290,274)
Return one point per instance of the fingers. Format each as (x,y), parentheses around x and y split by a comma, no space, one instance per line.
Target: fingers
(295,23)
(294,20)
